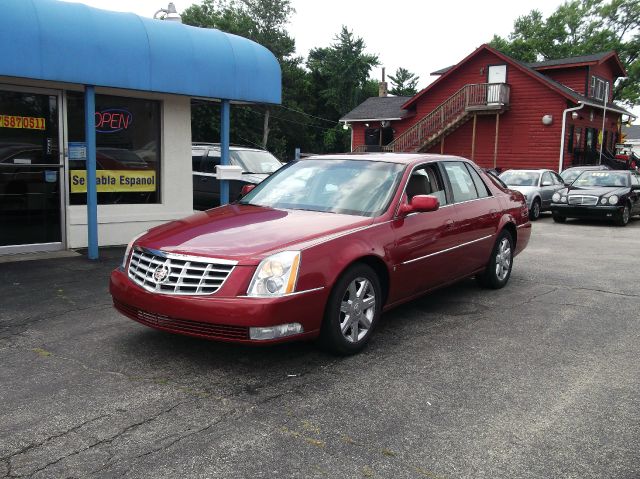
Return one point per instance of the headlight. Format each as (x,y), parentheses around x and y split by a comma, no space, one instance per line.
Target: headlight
(603,201)
(613,200)
(556,197)
(127,252)
(563,199)
(276,275)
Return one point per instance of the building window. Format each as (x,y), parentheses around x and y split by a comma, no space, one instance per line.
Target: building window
(598,88)
(127,150)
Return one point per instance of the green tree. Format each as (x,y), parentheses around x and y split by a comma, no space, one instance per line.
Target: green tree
(581,27)
(342,70)
(403,83)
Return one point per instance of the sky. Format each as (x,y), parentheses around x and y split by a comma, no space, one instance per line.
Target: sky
(419,35)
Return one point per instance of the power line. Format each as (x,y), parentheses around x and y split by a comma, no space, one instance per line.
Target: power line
(307,114)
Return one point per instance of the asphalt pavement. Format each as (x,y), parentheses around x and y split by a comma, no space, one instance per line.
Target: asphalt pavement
(537,380)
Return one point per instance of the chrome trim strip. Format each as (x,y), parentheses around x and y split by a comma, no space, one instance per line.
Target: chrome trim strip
(187,257)
(295,293)
(325,239)
(447,250)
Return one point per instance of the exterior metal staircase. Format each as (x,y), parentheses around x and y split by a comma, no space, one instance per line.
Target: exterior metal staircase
(478,99)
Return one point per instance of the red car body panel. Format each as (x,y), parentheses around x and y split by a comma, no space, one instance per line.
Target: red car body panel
(414,254)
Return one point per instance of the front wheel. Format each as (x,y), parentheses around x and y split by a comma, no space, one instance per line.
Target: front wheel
(534,213)
(498,270)
(624,217)
(352,311)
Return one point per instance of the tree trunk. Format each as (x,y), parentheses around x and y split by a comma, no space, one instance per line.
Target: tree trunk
(265,130)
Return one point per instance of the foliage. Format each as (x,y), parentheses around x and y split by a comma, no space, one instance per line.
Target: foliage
(581,27)
(403,83)
(314,96)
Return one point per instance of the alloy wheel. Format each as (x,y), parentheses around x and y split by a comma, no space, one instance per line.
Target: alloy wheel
(357,309)
(503,259)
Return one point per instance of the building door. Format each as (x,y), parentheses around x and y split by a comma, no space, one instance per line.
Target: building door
(31,169)
(497,76)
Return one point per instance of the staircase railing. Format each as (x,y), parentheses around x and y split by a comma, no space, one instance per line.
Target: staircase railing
(472,97)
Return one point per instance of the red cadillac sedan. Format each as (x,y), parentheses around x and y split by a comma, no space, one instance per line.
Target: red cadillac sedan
(321,248)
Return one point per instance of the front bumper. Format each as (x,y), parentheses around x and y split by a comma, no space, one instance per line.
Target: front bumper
(218,317)
(587,212)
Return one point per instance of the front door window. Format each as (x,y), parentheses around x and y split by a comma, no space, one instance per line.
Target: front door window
(30,167)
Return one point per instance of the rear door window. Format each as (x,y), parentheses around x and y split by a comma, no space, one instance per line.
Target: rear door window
(462,185)
(481,188)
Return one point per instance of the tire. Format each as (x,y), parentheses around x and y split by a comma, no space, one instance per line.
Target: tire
(559,219)
(624,216)
(500,264)
(534,212)
(352,311)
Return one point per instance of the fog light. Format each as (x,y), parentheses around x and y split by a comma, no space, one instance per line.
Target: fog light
(274,332)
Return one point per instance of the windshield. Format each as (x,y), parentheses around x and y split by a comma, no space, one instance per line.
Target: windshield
(602,178)
(520,178)
(569,175)
(352,187)
(255,161)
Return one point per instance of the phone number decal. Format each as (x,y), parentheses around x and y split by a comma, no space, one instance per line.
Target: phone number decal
(25,122)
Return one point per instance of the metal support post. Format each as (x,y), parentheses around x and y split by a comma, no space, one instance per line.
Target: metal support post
(224,148)
(92,193)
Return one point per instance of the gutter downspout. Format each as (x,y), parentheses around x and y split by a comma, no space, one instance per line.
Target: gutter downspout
(604,115)
(564,127)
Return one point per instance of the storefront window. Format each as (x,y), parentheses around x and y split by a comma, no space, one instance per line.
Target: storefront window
(127,150)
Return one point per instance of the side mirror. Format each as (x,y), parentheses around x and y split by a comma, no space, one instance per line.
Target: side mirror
(420,204)
(246,189)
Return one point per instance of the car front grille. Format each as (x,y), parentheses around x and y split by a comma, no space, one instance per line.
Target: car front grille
(183,326)
(585,200)
(169,273)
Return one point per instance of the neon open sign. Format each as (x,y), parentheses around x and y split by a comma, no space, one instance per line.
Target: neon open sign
(113,120)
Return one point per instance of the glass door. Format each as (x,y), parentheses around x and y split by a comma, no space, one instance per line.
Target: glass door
(30,172)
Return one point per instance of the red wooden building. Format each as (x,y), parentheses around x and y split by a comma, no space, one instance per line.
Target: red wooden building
(501,113)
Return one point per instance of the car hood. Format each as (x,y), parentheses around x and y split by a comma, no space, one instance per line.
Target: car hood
(598,190)
(254,178)
(525,190)
(246,233)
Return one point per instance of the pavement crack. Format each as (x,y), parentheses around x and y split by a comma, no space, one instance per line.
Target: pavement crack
(26,322)
(533,298)
(170,444)
(108,440)
(29,447)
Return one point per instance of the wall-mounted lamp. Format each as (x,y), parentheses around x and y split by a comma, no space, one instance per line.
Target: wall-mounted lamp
(591,115)
(170,13)
(345,126)
(366,125)
(575,115)
(547,120)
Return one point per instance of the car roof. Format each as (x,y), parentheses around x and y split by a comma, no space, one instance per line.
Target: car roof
(401,158)
(588,167)
(529,170)
(216,146)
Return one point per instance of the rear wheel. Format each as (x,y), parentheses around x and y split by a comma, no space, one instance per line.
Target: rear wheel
(534,213)
(498,270)
(559,219)
(624,216)
(352,311)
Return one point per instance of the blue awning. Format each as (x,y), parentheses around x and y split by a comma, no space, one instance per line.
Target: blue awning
(74,43)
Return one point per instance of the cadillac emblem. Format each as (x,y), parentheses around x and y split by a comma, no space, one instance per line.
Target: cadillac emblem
(161,274)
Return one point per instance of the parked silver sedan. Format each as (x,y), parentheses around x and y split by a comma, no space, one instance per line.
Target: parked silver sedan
(537,186)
